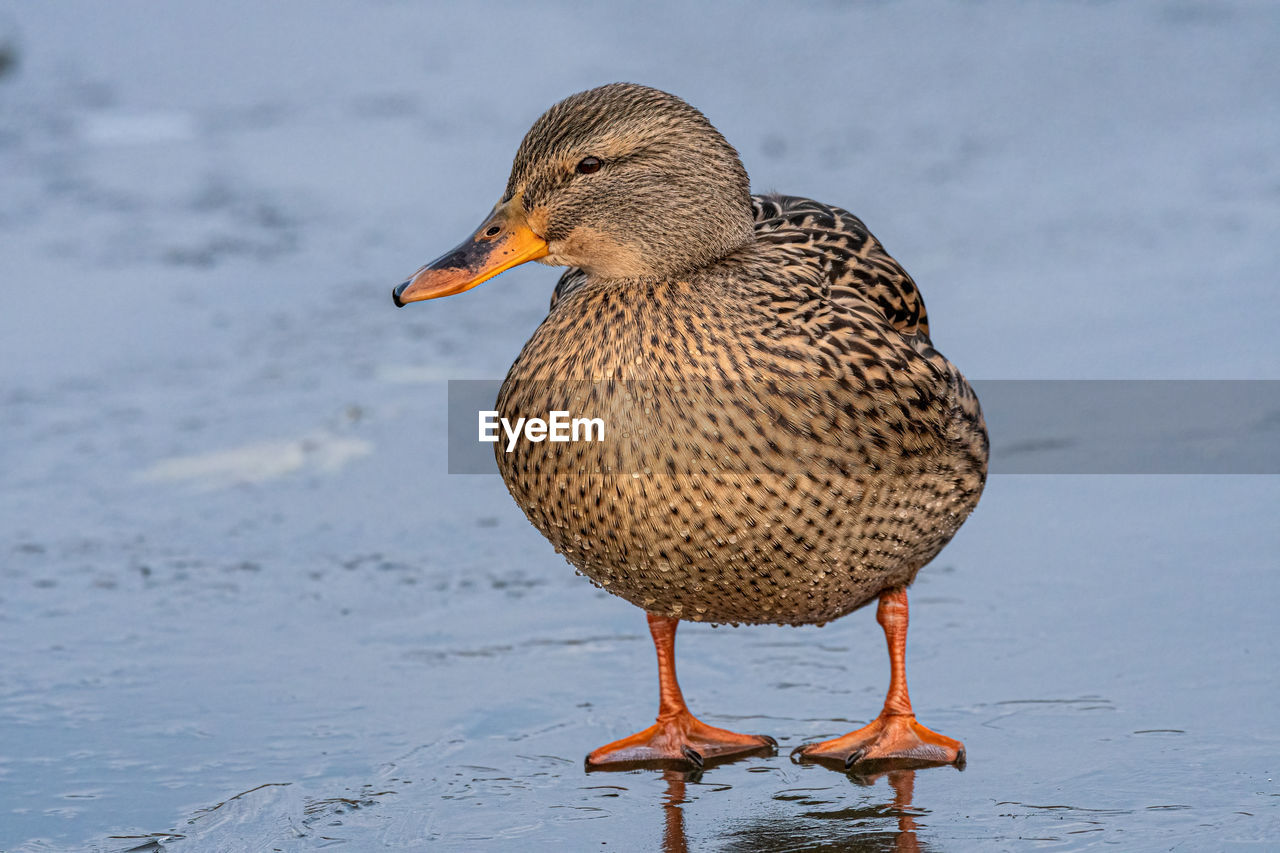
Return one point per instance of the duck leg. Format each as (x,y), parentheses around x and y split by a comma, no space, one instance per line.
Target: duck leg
(677,735)
(894,735)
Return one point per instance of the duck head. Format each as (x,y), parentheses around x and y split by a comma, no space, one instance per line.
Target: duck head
(623,181)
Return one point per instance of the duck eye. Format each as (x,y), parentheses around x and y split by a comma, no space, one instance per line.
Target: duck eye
(589,165)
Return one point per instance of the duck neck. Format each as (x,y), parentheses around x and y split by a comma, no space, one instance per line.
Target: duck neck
(679,265)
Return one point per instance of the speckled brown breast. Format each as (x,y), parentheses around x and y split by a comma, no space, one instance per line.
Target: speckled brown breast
(782,441)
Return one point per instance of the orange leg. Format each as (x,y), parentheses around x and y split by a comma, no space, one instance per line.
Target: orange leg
(894,735)
(677,735)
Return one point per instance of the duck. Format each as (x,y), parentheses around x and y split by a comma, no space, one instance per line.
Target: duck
(787,446)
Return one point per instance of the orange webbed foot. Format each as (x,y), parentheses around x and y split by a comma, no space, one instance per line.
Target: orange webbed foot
(679,738)
(890,738)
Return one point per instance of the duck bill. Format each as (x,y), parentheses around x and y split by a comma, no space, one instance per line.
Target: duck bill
(502,241)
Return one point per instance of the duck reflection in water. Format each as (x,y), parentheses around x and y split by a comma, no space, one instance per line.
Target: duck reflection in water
(861,829)
(674,839)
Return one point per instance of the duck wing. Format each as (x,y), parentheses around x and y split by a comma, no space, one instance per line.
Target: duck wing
(857,267)
(853,312)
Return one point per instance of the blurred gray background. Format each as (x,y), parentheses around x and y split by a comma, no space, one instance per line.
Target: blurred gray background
(242,605)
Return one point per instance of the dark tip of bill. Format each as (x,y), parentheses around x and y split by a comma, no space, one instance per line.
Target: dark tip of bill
(395,293)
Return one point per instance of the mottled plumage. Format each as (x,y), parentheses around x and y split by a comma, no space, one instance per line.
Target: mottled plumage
(783,443)
(845,476)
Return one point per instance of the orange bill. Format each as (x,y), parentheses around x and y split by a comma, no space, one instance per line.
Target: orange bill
(503,241)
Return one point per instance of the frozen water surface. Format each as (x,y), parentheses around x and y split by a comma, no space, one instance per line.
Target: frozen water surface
(242,607)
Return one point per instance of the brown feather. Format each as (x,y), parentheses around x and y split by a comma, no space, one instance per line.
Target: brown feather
(788,443)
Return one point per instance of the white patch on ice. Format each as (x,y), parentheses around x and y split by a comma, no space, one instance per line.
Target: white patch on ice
(137,128)
(261,461)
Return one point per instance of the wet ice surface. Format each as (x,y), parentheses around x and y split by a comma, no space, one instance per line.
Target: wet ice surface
(243,607)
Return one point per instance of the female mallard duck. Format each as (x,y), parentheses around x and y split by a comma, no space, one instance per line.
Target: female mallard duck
(787,444)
